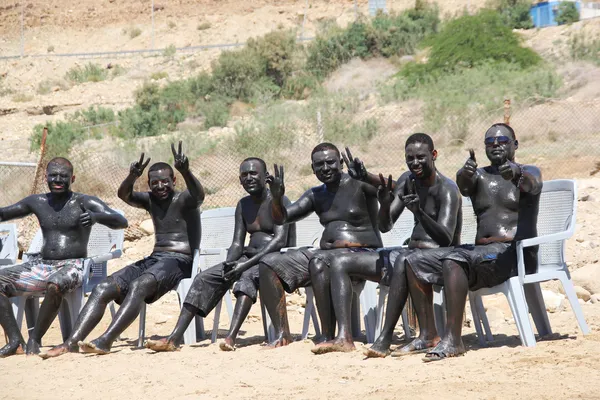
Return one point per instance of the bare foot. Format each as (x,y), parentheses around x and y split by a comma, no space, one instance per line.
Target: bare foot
(444,349)
(417,346)
(227,345)
(93,347)
(337,345)
(33,348)
(379,349)
(280,342)
(162,345)
(12,348)
(59,351)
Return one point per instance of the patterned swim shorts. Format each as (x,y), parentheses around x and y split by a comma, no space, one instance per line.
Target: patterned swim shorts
(34,275)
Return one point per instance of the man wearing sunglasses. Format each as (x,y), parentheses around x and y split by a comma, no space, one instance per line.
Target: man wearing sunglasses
(505,197)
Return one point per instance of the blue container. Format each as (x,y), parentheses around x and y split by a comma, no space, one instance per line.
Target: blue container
(544,14)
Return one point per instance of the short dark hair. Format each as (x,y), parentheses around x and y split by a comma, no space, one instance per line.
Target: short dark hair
(325,146)
(259,160)
(420,138)
(506,126)
(161,165)
(61,161)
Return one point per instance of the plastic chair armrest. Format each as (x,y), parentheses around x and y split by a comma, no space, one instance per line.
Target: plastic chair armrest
(546,239)
(108,256)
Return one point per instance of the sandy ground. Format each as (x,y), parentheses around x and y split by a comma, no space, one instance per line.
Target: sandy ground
(559,367)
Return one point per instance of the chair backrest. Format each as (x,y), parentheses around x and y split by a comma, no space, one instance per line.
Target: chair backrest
(309,231)
(217,231)
(400,232)
(10,245)
(469,222)
(558,210)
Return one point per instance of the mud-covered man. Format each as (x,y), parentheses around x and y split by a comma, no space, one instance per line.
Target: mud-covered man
(505,197)
(66,220)
(347,209)
(176,218)
(252,216)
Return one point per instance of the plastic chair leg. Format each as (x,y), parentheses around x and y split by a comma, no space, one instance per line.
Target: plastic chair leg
(308,310)
(520,312)
(575,306)
(355,315)
(406,325)
(537,308)
(142,328)
(439,310)
(476,318)
(229,305)
(368,299)
(217,318)
(267,324)
(484,319)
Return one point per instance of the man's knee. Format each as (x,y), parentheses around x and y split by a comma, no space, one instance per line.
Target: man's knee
(340,265)
(400,264)
(317,266)
(144,284)
(449,266)
(105,290)
(52,289)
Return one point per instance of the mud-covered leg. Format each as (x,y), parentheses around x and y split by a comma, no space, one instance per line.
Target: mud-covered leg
(174,340)
(16,343)
(273,295)
(243,304)
(321,283)
(48,312)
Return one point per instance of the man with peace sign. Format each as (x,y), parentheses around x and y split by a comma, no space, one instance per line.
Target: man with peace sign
(505,197)
(176,218)
(347,209)
(435,203)
(66,220)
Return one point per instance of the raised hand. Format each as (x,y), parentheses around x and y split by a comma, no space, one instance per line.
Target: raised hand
(385,195)
(509,170)
(87,218)
(137,167)
(182,164)
(276,182)
(356,168)
(470,167)
(411,200)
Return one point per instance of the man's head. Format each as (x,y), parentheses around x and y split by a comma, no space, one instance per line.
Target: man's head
(327,163)
(420,155)
(59,175)
(500,144)
(161,180)
(253,175)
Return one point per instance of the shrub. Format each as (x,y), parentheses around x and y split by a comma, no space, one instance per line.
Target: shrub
(94,116)
(45,86)
(279,51)
(117,70)
(134,32)
(235,72)
(171,24)
(514,13)
(170,51)
(88,73)
(567,13)
(155,76)
(61,137)
(22,98)
(581,47)
(200,85)
(300,86)
(215,112)
(203,26)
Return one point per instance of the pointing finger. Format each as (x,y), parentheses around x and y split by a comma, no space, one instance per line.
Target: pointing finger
(389,183)
(180,149)
(346,159)
(281,173)
(146,163)
(472,155)
(349,153)
(173,150)
(141,159)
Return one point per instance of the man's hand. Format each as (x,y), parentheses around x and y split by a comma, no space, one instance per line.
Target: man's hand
(411,200)
(470,167)
(276,183)
(87,218)
(182,164)
(385,195)
(137,167)
(509,170)
(232,270)
(356,168)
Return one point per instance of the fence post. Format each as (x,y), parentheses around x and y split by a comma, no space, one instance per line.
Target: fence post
(40,163)
(319,128)
(507,111)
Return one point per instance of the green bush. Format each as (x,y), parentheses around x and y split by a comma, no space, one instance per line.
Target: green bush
(61,137)
(156,76)
(170,51)
(200,85)
(88,73)
(299,86)
(134,32)
(514,13)
(567,13)
(235,73)
(280,53)
(215,112)
(94,116)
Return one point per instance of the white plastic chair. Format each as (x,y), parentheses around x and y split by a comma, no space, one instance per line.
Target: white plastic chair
(10,245)
(556,223)
(104,244)
(217,231)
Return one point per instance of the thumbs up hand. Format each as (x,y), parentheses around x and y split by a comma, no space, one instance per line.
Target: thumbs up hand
(87,218)
(470,167)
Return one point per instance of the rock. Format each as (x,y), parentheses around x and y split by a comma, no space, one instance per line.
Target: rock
(588,277)
(582,293)
(553,300)
(595,298)
(586,197)
(147,226)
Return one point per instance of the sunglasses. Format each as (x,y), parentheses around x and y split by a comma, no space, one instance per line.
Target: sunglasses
(489,141)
